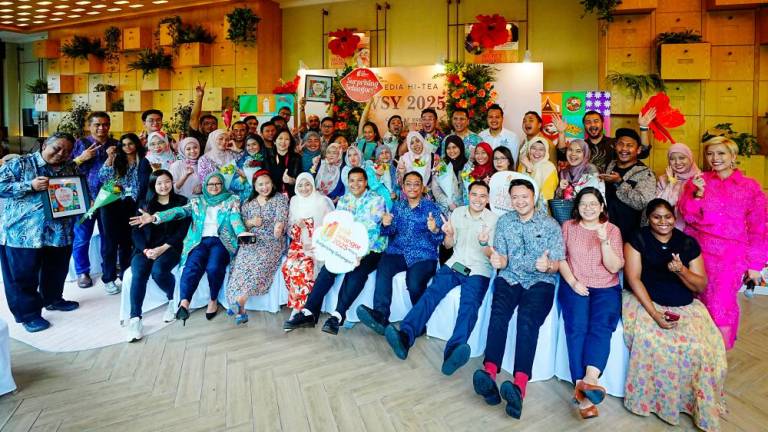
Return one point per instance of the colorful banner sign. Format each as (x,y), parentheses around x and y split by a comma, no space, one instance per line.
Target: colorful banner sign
(340,242)
(361,85)
(572,106)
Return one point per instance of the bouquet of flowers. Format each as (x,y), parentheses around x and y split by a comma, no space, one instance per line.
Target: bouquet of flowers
(228,171)
(109,193)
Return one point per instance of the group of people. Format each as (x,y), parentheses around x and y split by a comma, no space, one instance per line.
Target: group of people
(248,201)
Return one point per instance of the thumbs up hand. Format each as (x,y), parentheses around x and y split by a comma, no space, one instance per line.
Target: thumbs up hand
(484,236)
(386,219)
(543,263)
(431,223)
(602,233)
(498,261)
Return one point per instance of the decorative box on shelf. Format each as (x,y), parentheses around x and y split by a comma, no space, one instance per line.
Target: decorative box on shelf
(136,38)
(46,49)
(79,98)
(246,54)
(164,35)
(137,100)
(47,102)
(181,97)
(195,54)
(92,64)
(129,80)
(61,83)
(54,119)
(685,61)
(202,75)
(122,121)
(182,79)
(163,100)
(157,80)
(215,96)
(634,6)
(223,53)
(81,84)
(100,101)
(729,98)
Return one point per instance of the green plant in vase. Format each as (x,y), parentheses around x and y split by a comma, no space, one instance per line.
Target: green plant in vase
(73,122)
(148,61)
(38,86)
(747,143)
(637,85)
(112,42)
(117,106)
(602,8)
(80,47)
(242,26)
(179,121)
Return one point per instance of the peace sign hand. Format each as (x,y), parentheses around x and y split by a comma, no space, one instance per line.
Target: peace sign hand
(90,152)
(447,227)
(676,265)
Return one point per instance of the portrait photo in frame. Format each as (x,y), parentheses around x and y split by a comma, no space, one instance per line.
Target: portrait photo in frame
(65,197)
(318,88)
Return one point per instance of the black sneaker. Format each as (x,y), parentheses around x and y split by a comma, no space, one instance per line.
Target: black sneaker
(372,319)
(398,340)
(298,321)
(63,305)
(331,325)
(486,387)
(514,397)
(456,359)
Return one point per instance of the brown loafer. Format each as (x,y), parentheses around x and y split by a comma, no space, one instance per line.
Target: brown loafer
(589,412)
(594,393)
(84,281)
(578,396)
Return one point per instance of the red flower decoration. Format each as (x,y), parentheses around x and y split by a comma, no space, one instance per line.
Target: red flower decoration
(489,31)
(289,87)
(343,43)
(666,117)
(341,125)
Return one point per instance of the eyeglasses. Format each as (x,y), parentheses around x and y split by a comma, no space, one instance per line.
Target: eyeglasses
(154,121)
(593,204)
(412,185)
(215,184)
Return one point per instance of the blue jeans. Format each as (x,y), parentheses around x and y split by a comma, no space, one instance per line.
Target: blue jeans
(416,277)
(116,243)
(351,287)
(82,243)
(210,257)
(473,290)
(33,278)
(160,269)
(589,323)
(533,306)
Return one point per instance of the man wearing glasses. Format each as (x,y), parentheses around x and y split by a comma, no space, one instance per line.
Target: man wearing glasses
(90,153)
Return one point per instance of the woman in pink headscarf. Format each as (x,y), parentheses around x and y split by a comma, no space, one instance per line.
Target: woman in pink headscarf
(681,168)
(726,212)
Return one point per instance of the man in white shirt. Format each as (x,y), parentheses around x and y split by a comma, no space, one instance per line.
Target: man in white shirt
(497,135)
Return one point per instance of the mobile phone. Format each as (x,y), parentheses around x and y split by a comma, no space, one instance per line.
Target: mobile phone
(671,316)
(461,268)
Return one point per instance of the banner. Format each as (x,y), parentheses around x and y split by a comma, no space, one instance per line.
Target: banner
(409,90)
(340,242)
(572,106)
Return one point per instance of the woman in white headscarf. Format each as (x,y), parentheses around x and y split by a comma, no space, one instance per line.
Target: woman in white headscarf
(160,155)
(217,155)
(328,174)
(185,178)
(535,162)
(418,158)
(307,210)
(352,159)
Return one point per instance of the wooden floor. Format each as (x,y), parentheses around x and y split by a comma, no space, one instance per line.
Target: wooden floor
(211,376)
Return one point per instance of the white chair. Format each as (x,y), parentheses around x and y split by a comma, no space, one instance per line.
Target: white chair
(7,384)
(615,373)
(94,256)
(401,300)
(443,320)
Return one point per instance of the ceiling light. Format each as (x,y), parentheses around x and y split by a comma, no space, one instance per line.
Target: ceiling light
(22,25)
(23,13)
(99,6)
(41,17)
(78,10)
(22,19)
(84,2)
(136,6)
(5,3)
(44,3)
(93,13)
(6,16)
(6,22)
(122,2)
(160,1)
(43,10)
(113,9)
(55,19)
(62,6)
(24,7)
(59,13)
(38,22)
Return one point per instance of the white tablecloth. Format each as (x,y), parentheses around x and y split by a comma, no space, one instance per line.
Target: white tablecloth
(7,384)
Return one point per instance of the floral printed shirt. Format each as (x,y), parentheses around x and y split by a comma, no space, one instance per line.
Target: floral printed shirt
(24,223)
(368,210)
(408,232)
(92,166)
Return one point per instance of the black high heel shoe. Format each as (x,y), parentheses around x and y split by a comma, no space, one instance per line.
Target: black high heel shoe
(210,315)
(182,314)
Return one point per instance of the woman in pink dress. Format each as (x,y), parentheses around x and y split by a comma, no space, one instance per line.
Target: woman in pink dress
(726,213)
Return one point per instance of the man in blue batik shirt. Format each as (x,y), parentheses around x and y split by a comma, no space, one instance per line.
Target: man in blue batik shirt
(35,249)
(414,235)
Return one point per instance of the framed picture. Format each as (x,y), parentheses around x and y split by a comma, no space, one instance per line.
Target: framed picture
(66,196)
(317,88)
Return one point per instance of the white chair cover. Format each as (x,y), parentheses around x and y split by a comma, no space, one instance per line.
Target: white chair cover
(443,320)
(7,384)
(94,256)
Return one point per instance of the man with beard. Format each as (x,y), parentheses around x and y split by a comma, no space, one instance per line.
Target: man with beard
(629,184)
(496,134)
(460,123)
(532,124)
(238,132)
(394,138)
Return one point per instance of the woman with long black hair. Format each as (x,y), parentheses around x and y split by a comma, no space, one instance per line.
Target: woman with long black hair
(285,165)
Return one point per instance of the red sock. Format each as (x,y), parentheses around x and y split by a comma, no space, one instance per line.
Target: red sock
(521,380)
(492,369)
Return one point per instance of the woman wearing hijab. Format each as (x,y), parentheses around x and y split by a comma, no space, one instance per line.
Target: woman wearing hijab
(311,150)
(217,155)
(483,167)
(382,170)
(536,163)
(210,242)
(160,155)
(307,210)
(328,178)
(681,168)
(353,158)
(418,158)
(285,165)
(187,182)
(253,269)
(448,187)
(579,173)
(253,159)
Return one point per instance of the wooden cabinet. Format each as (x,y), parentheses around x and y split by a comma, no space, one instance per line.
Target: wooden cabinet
(762,20)
(122,122)
(164,36)
(678,22)
(224,76)
(46,49)
(92,64)
(61,83)
(630,60)
(246,75)
(730,27)
(182,97)
(93,80)
(202,75)
(66,66)
(47,102)
(54,119)
(79,99)
(753,166)
(81,84)
(733,62)
(195,54)
(214,98)
(246,54)
(163,100)
(762,104)
(137,100)
(631,6)
(728,98)
(622,103)
(125,60)
(53,67)
(112,79)
(737,123)
(100,101)
(182,79)
(136,38)
(157,80)
(679,6)
(223,53)
(733,4)
(685,96)
(688,133)
(685,61)
(629,31)
(112,66)
(129,80)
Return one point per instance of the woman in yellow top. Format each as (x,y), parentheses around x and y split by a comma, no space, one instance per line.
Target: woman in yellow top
(535,162)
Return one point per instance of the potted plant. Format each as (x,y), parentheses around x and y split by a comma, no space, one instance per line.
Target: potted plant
(602,8)
(167,30)
(748,144)
(682,55)
(242,26)
(43,101)
(87,53)
(636,85)
(179,121)
(38,87)
(73,121)
(111,50)
(155,66)
(193,42)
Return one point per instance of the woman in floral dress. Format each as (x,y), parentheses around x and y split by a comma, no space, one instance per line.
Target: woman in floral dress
(257,259)
(307,210)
